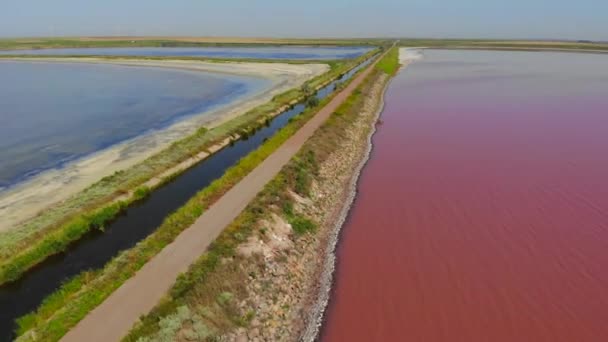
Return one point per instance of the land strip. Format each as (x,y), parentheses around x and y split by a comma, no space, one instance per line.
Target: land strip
(54,229)
(32,196)
(260,280)
(116,315)
(81,42)
(72,301)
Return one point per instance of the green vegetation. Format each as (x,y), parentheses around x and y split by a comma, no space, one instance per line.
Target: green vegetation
(390,63)
(54,229)
(75,299)
(221,270)
(302,225)
(59,240)
(142,192)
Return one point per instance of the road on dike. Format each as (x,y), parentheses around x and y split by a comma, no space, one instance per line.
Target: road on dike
(114,318)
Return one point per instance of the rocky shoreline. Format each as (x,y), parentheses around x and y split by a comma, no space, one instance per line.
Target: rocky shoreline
(290,296)
(326,272)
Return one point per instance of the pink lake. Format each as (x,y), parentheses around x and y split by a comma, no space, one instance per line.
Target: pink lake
(482,214)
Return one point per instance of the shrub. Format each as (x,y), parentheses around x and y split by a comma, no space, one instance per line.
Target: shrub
(141,193)
(312,101)
(302,225)
(224,298)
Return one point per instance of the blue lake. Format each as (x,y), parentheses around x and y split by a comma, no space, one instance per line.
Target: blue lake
(52,113)
(285,52)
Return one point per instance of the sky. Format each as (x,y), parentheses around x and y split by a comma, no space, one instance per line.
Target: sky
(550,19)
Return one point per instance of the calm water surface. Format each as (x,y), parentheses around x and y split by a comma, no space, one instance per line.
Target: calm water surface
(483,212)
(285,52)
(52,113)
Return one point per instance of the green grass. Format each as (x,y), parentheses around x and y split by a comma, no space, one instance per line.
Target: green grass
(74,300)
(142,192)
(302,225)
(54,229)
(221,269)
(390,63)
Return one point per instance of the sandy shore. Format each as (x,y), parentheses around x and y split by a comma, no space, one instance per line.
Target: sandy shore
(25,200)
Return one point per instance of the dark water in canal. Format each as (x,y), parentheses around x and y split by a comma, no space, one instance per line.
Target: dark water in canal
(482,214)
(139,221)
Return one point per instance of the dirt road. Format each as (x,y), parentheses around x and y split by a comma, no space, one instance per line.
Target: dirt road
(113,319)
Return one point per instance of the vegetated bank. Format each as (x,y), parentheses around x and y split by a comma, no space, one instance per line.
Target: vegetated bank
(76,298)
(260,278)
(54,229)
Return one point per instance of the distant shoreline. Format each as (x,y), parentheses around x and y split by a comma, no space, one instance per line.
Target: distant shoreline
(522,49)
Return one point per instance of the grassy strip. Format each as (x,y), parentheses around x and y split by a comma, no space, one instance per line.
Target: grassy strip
(205,297)
(56,228)
(62,310)
(390,64)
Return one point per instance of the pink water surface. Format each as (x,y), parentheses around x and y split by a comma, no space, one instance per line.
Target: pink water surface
(483,212)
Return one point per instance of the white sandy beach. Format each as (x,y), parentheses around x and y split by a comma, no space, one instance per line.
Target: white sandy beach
(25,200)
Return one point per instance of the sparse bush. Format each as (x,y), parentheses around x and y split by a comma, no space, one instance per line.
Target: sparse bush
(288,208)
(224,298)
(302,225)
(142,192)
(312,101)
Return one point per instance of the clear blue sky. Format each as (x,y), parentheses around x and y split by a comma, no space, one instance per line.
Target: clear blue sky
(567,19)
